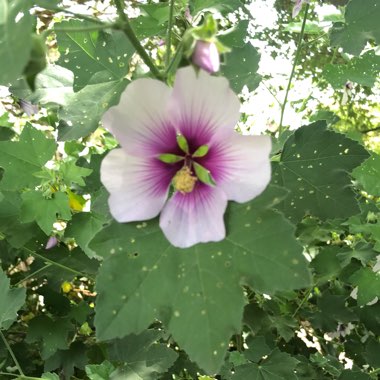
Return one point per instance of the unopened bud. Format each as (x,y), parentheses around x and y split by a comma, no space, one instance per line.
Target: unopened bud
(52,242)
(206,56)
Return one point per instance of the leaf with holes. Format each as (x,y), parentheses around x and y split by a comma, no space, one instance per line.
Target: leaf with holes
(368,174)
(44,211)
(361,25)
(22,159)
(11,301)
(86,53)
(362,70)
(191,300)
(241,66)
(315,166)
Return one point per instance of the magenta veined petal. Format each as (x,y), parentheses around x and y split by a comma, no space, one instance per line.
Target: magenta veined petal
(197,217)
(159,130)
(138,187)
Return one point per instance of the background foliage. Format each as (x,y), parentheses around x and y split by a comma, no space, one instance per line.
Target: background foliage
(291,293)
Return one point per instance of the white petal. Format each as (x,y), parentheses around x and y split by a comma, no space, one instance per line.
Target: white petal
(140,120)
(247,166)
(196,217)
(202,101)
(138,188)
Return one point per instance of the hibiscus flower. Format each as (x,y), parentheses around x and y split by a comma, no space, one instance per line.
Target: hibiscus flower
(180,156)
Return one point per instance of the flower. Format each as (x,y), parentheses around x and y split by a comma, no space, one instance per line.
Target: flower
(181,139)
(206,56)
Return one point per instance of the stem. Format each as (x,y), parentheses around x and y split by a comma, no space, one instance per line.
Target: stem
(175,58)
(169,35)
(33,274)
(128,31)
(299,44)
(9,374)
(9,348)
(84,28)
(59,265)
(304,299)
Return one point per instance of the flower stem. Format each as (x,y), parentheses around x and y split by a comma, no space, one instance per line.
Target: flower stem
(59,265)
(125,26)
(298,51)
(84,28)
(169,34)
(9,348)
(33,274)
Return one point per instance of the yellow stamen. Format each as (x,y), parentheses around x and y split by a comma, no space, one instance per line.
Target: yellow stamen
(184,181)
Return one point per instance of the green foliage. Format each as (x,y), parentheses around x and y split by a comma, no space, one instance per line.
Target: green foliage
(241,66)
(316,173)
(11,300)
(15,39)
(22,159)
(361,24)
(362,70)
(294,285)
(198,278)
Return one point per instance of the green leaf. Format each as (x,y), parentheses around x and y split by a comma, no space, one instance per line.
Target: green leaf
(203,174)
(17,233)
(236,35)
(67,360)
(36,207)
(83,110)
(53,334)
(353,375)
(372,349)
(368,283)
(50,376)
(100,371)
(314,166)
(201,151)
(277,366)
(15,39)
(362,24)
(11,301)
(311,27)
(224,6)
(86,53)
(169,158)
(241,66)
(182,143)
(83,227)
(21,159)
(71,173)
(191,301)
(368,174)
(142,357)
(363,70)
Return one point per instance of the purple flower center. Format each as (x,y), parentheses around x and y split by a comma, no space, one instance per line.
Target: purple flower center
(191,171)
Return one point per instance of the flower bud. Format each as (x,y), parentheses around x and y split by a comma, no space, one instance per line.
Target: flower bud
(206,56)
(51,243)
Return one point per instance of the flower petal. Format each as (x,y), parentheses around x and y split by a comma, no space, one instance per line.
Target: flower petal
(202,104)
(195,217)
(140,121)
(138,187)
(246,167)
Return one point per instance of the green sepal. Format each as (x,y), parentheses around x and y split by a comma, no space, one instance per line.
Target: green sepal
(201,151)
(203,174)
(182,143)
(169,158)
